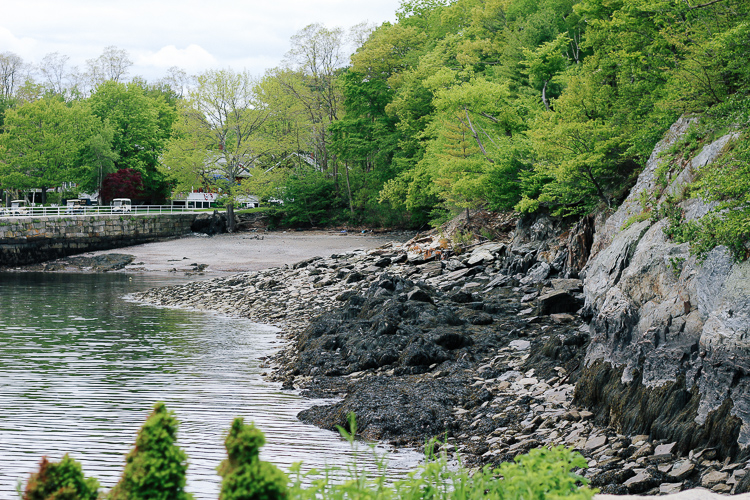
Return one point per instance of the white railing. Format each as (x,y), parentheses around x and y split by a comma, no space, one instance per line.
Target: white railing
(91,210)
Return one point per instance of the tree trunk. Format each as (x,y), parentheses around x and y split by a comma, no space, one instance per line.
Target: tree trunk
(349,188)
(230,217)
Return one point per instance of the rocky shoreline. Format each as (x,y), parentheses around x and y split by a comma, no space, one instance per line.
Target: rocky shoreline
(482,348)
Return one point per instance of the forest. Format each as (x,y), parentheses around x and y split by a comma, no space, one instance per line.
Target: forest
(523,105)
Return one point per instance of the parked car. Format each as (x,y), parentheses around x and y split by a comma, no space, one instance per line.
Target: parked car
(75,206)
(17,207)
(121,205)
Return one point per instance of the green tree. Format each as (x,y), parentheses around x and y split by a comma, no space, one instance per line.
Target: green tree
(140,125)
(44,143)
(217,137)
(311,80)
(155,468)
(244,475)
(63,480)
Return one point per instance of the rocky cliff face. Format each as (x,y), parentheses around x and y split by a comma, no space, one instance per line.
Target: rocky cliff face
(669,334)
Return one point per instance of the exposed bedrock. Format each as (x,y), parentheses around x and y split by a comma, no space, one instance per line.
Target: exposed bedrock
(669,334)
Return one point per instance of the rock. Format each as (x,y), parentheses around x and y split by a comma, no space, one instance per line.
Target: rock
(419,295)
(681,472)
(641,482)
(431,269)
(665,448)
(558,301)
(579,244)
(539,272)
(383,262)
(643,451)
(519,345)
(659,459)
(640,438)
(354,277)
(561,318)
(658,314)
(722,488)
(479,256)
(669,488)
(210,224)
(712,478)
(568,285)
(595,442)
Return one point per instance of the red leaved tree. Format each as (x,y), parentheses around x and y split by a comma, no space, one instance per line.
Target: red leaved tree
(125,183)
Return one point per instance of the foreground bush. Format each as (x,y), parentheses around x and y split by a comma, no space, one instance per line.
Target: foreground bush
(155,468)
(543,474)
(60,481)
(245,476)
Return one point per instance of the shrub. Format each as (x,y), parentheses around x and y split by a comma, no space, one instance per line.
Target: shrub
(155,468)
(245,476)
(60,481)
(542,474)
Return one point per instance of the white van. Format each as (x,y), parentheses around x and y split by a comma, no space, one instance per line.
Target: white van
(18,207)
(121,205)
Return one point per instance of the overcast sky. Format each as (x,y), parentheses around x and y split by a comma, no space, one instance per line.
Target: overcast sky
(192,34)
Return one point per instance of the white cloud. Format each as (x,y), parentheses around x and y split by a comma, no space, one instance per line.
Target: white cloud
(158,34)
(23,46)
(192,59)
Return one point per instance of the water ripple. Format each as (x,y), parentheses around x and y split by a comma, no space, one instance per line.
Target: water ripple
(80,369)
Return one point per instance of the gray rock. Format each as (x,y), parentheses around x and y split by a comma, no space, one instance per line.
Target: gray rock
(539,272)
(595,442)
(665,448)
(682,472)
(643,481)
(670,488)
(419,296)
(478,257)
(558,301)
(659,314)
(520,345)
(713,478)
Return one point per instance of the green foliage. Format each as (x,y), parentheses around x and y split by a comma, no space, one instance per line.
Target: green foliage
(245,476)
(723,183)
(63,480)
(308,198)
(155,468)
(540,475)
(140,123)
(45,143)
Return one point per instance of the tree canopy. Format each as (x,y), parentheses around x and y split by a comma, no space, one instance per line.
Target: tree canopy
(521,105)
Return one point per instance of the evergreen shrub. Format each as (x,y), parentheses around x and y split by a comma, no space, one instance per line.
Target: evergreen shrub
(155,469)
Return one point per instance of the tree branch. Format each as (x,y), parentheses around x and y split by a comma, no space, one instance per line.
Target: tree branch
(476,136)
(707,4)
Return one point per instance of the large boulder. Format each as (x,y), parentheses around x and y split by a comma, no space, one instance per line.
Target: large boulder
(210,224)
(669,349)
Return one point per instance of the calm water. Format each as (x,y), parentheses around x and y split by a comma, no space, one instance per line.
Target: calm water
(80,369)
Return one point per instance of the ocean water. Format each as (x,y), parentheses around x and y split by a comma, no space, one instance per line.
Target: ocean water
(81,367)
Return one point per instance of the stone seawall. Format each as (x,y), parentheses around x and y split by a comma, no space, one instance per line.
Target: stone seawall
(30,240)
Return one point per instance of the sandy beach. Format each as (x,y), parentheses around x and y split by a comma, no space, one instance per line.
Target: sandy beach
(238,252)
